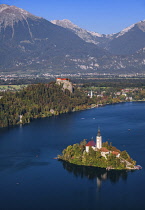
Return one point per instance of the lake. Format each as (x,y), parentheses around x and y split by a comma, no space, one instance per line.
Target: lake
(31,179)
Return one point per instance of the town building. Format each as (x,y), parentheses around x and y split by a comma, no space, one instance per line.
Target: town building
(90,94)
(117,154)
(104,151)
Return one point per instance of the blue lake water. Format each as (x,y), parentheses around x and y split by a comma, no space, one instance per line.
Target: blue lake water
(31,179)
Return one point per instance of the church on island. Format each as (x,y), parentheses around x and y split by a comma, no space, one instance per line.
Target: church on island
(98,154)
(97,146)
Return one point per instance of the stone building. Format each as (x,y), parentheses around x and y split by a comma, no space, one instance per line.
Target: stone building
(66,84)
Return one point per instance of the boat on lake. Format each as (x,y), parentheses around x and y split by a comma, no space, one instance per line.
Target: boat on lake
(138,167)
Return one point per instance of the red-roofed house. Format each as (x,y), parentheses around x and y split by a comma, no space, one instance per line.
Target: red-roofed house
(90,144)
(104,151)
(116,153)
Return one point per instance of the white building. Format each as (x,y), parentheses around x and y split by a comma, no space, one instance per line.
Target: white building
(99,140)
(91,94)
(90,144)
(97,145)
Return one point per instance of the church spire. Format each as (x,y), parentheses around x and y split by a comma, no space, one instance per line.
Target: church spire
(99,132)
(99,140)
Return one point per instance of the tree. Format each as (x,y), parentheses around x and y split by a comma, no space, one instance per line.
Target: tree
(124,154)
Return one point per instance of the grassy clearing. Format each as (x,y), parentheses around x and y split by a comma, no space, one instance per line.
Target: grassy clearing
(11,87)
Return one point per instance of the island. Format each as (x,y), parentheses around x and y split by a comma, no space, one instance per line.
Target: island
(98,154)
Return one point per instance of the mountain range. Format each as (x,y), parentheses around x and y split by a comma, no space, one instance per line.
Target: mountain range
(34,45)
(126,42)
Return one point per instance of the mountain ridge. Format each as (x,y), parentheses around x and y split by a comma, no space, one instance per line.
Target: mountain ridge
(31,44)
(88,36)
(38,44)
(117,43)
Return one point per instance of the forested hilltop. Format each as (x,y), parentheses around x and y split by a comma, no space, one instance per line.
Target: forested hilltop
(40,100)
(44,100)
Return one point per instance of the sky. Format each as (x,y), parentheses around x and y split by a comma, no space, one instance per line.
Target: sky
(102,16)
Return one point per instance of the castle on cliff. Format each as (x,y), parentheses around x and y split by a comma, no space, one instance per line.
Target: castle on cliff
(66,84)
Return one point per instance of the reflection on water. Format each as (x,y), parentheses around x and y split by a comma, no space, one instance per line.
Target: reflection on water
(100,174)
(31,179)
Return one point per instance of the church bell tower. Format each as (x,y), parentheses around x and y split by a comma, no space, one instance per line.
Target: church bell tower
(99,140)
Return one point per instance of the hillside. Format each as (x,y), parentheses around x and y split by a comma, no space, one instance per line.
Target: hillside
(100,40)
(34,44)
(129,40)
(125,42)
(36,101)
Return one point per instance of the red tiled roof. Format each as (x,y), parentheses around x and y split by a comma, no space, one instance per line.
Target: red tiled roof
(103,149)
(63,78)
(91,143)
(115,153)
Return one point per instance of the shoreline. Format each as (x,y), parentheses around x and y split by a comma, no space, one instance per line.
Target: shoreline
(89,107)
(107,169)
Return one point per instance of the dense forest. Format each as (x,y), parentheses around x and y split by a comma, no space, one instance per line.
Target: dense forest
(44,100)
(39,100)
